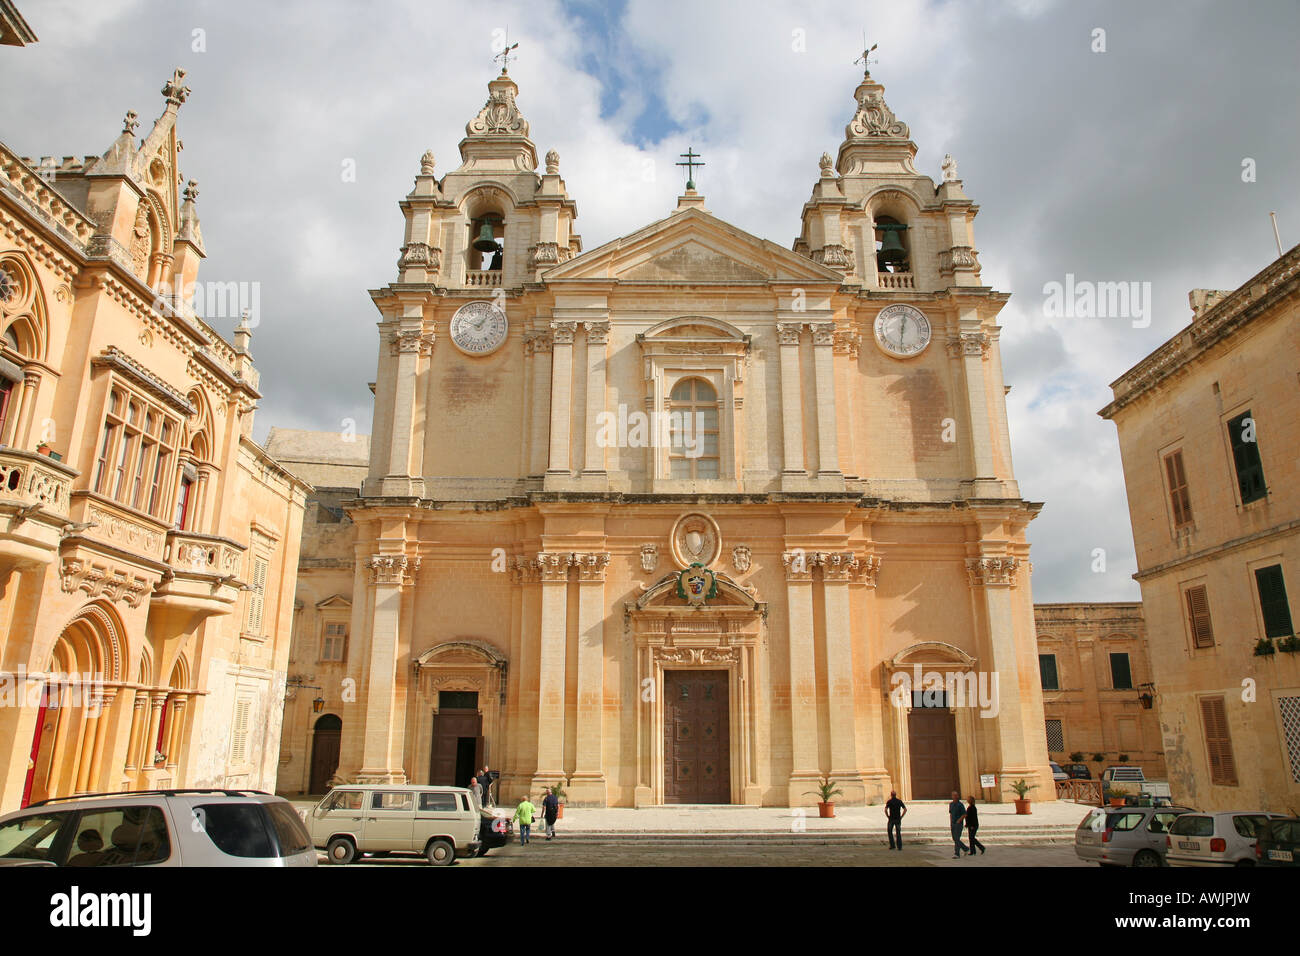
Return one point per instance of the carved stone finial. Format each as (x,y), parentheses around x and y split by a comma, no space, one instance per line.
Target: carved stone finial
(499,115)
(426,163)
(873,117)
(552,162)
(130,122)
(828,165)
(949,167)
(191,191)
(174,89)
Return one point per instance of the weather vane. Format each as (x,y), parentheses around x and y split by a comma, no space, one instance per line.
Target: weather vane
(690,156)
(504,56)
(866,53)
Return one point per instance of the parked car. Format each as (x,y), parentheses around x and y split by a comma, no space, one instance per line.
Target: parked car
(1225,838)
(442,823)
(1277,842)
(1128,836)
(1077,771)
(1057,773)
(493,831)
(158,828)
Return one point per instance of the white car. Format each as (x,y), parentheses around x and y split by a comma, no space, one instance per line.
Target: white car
(1226,838)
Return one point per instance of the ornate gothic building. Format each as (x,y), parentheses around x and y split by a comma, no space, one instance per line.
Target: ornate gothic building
(684,517)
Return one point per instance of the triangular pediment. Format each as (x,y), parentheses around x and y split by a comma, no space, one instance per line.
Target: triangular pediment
(692,247)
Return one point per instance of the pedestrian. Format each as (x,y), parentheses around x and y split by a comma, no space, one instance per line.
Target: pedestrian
(474,790)
(957,816)
(524,817)
(550,810)
(895,810)
(485,784)
(972,825)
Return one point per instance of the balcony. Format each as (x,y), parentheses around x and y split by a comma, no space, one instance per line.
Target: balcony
(202,577)
(34,498)
(895,280)
(483,278)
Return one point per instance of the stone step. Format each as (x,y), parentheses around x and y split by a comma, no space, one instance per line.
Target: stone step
(926,836)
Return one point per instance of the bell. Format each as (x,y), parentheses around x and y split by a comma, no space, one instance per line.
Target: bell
(891,249)
(485,242)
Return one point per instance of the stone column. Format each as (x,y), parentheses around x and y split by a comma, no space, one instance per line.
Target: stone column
(137,724)
(791,400)
(804,739)
(871,726)
(561,397)
(381,760)
(27,411)
(199,502)
(841,700)
(553,568)
(106,698)
(828,455)
(85,754)
(539,347)
(523,719)
(972,347)
(597,339)
(175,734)
(408,343)
(587,786)
(157,701)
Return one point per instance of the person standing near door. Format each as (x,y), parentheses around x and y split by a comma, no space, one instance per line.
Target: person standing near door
(524,817)
(895,810)
(972,825)
(485,784)
(957,817)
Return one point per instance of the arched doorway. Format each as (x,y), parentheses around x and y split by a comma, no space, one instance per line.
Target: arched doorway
(324,752)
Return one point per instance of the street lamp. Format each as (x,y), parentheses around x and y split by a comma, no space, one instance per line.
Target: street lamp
(318,705)
(1147,698)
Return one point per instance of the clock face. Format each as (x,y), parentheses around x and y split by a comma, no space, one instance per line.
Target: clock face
(902,330)
(478,328)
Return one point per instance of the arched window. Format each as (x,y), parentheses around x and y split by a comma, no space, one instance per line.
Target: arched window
(487,242)
(693,430)
(893,250)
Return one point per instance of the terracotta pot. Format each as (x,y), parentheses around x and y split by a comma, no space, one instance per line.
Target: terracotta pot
(559,814)
(825,810)
(43,450)
(1022,807)
(1117,801)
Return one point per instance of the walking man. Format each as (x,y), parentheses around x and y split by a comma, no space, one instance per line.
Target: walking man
(550,810)
(972,825)
(957,816)
(895,810)
(524,817)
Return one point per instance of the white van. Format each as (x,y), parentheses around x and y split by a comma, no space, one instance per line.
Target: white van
(442,823)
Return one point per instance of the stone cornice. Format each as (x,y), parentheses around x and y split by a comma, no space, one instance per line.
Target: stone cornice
(114,358)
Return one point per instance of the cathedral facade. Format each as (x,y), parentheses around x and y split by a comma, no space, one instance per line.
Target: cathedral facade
(689,517)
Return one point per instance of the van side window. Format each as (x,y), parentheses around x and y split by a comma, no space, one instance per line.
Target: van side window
(345,800)
(120,836)
(389,800)
(439,802)
(464,802)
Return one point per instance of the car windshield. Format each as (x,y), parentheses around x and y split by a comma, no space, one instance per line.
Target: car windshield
(29,838)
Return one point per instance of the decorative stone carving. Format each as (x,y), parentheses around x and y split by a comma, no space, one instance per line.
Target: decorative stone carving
(695,539)
(847,342)
(392,570)
(992,572)
(597,332)
(787,333)
(413,340)
(420,255)
(426,163)
(649,557)
(591,565)
(175,91)
(563,332)
(837,565)
(499,114)
(823,333)
(526,570)
(697,655)
(554,565)
(552,162)
(949,167)
(798,565)
(874,117)
(537,342)
(100,580)
(969,343)
(741,558)
(545,254)
(958,259)
(867,569)
(827,165)
(835,256)
(130,122)
(121,530)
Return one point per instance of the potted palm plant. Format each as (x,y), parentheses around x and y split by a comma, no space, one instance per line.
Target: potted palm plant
(1022,788)
(1115,794)
(825,793)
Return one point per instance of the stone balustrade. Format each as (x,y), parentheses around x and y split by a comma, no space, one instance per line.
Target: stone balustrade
(191,553)
(895,280)
(483,278)
(28,479)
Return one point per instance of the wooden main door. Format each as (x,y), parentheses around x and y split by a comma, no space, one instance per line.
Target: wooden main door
(324,752)
(932,737)
(457,751)
(697,739)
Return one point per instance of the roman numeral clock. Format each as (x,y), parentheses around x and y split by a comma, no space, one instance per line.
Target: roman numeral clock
(479,328)
(902,330)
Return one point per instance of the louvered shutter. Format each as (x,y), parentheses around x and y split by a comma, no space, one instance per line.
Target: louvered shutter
(1273,602)
(1198,613)
(239,735)
(1223,769)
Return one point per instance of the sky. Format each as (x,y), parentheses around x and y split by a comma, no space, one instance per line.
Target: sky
(1151,152)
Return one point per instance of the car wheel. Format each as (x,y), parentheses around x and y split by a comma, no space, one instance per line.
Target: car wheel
(440,852)
(340,851)
(1146,858)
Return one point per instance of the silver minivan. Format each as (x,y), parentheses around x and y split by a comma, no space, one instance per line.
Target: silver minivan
(441,823)
(157,828)
(1125,836)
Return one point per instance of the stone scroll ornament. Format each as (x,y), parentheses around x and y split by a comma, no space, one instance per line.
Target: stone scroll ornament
(696,585)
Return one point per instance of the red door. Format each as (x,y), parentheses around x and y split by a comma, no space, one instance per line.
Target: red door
(36,747)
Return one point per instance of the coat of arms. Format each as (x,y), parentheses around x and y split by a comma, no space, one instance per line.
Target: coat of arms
(696,584)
